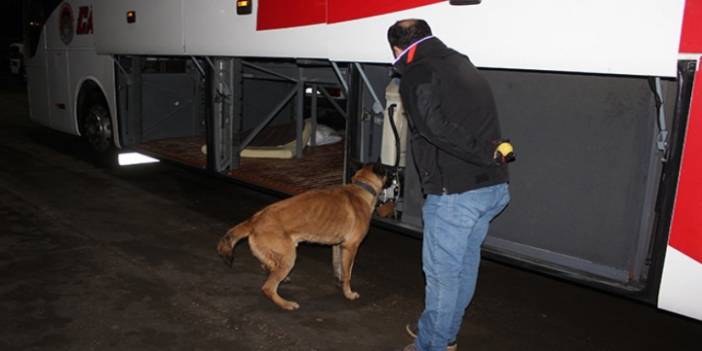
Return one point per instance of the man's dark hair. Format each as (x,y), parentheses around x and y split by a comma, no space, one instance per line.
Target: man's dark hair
(405,32)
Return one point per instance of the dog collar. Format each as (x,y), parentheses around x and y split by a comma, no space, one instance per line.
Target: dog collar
(365,187)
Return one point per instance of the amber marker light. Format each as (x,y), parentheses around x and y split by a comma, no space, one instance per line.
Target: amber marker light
(243,7)
(131,16)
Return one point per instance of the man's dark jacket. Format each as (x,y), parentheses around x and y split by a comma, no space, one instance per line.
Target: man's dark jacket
(452,117)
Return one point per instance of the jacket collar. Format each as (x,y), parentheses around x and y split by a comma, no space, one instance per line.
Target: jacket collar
(422,48)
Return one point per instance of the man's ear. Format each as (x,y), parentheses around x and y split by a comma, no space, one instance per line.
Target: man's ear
(396,51)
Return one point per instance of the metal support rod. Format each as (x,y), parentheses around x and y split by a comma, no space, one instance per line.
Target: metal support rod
(219,127)
(213,117)
(354,139)
(199,66)
(368,85)
(122,69)
(134,105)
(662,127)
(237,111)
(313,112)
(271,72)
(336,249)
(225,154)
(269,118)
(299,115)
(333,102)
(224,87)
(252,76)
(340,77)
(209,61)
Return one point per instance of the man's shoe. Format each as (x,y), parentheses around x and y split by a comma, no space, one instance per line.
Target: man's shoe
(413,330)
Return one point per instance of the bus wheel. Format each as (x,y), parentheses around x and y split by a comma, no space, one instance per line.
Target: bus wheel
(97,127)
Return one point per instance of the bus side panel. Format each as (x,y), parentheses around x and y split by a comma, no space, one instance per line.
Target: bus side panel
(157,29)
(59,67)
(85,64)
(581,36)
(637,37)
(70,59)
(37,85)
(218,30)
(681,282)
(60,103)
(681,286)
(186,27)
(60,106)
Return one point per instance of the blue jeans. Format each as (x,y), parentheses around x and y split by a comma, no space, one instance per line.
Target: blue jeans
(455,227)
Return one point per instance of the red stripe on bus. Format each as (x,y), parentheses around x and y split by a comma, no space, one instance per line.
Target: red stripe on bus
(345,10)
(691,37)
(686,227)
(276,14)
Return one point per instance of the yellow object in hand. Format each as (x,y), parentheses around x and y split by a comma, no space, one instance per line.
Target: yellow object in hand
(504,152)
(505,148)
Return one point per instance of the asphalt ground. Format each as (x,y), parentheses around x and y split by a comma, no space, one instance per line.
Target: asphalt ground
(101,258)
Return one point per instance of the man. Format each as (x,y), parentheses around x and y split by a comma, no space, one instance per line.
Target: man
(455,134)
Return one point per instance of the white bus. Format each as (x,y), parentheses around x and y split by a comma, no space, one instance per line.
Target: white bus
(599,97)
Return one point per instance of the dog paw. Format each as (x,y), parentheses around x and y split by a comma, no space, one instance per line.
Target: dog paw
(352,295)
(227,259)
(290,305)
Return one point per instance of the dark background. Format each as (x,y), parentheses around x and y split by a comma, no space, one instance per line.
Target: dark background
(10,28)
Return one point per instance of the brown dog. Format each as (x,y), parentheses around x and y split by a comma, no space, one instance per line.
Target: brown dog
(333,216)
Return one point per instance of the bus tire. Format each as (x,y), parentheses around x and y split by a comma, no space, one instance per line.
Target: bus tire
(97,128)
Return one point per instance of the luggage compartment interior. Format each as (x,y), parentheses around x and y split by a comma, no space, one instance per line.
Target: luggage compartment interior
(320,165)
(164,107)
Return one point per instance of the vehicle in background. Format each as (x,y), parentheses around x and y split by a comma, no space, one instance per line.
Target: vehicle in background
(16,57)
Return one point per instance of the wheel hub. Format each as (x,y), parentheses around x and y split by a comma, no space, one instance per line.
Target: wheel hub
(98,131)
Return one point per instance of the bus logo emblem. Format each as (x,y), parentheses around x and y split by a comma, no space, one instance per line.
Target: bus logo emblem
(66,24)
(85,20)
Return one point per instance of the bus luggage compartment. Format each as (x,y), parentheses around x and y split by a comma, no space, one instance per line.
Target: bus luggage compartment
(585,183)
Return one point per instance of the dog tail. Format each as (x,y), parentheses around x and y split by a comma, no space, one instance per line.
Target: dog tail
(225,247)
